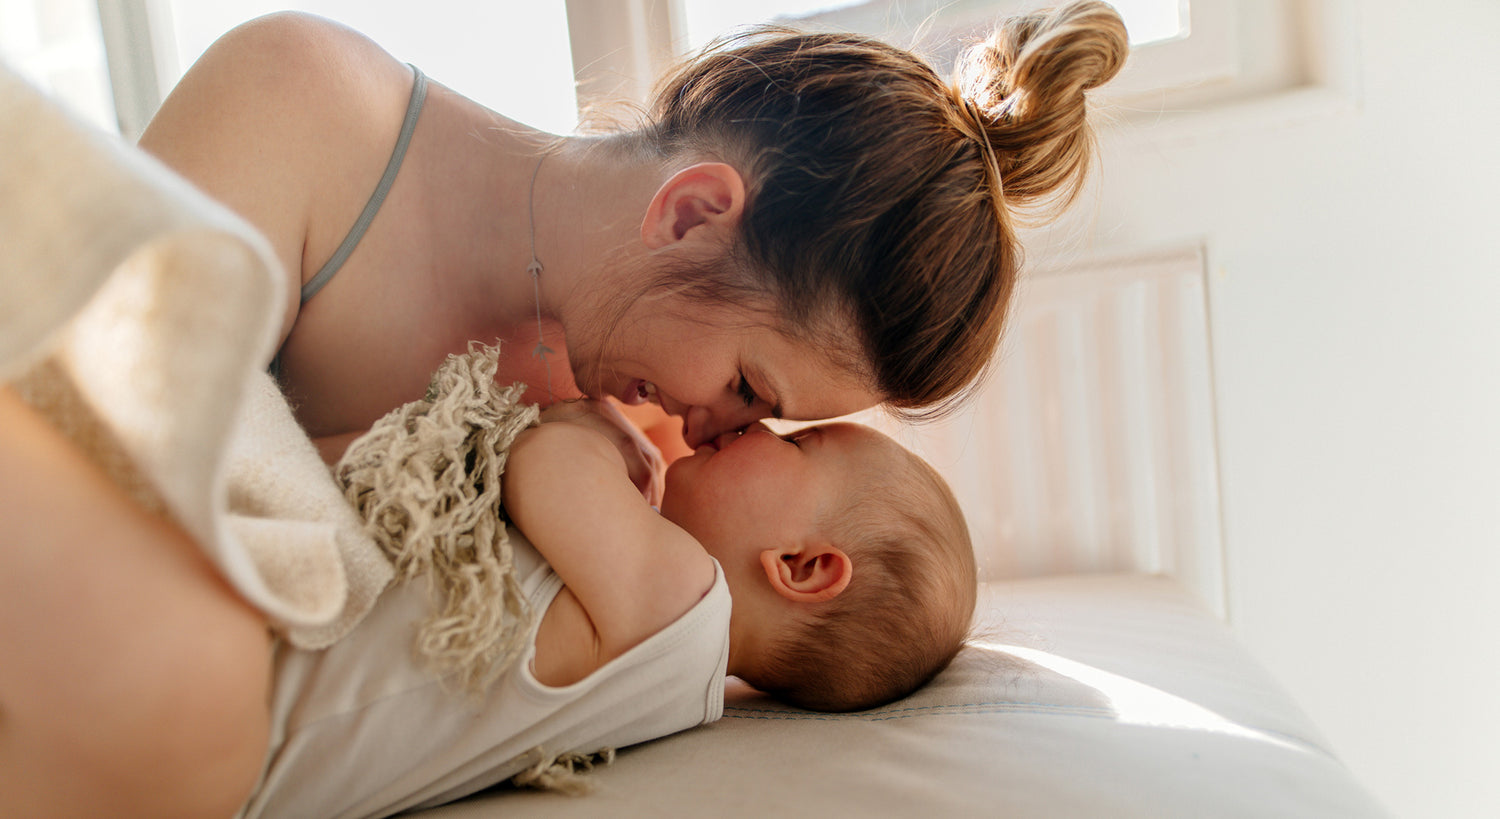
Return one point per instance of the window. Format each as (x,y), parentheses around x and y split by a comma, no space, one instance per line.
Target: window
(1149,21)
(512,57)
(1188,56)
(937,29)
(114,60)
(57,45)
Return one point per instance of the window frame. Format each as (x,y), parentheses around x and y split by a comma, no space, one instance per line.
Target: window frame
(137,37)
(1237,56)
(618,45)
(1235,52)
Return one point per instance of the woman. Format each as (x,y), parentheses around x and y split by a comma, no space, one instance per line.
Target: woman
(808,225)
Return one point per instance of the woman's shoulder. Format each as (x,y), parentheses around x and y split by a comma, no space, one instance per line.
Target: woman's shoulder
(276,116)
(297,50)
(291,68)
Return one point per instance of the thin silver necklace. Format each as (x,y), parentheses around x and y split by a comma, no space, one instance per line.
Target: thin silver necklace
(535,269)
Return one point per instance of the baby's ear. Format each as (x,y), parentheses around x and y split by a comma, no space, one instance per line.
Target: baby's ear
(808,572)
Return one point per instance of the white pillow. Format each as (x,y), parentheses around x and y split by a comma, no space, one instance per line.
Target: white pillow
(1087,696)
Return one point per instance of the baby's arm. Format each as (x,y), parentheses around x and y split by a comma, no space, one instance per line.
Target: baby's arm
(634,572)
(643,460)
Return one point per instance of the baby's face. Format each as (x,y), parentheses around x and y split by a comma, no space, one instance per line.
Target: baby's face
(740,493)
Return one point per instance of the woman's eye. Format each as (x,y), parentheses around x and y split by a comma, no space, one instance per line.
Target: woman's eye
(747,393)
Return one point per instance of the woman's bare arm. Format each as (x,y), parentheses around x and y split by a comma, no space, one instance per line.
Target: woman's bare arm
(134,681)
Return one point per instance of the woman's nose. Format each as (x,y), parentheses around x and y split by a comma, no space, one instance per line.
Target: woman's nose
(703,424)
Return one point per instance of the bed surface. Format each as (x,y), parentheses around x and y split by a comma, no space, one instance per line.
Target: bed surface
(1083,696)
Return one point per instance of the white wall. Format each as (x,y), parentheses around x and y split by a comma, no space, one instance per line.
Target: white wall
(1355,314)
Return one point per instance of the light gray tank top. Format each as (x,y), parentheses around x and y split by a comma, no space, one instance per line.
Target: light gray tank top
(362,224)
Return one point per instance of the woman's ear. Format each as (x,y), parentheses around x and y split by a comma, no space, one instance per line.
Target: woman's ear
(808,572)
(709,193)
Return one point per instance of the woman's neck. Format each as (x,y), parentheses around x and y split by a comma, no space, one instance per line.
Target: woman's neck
(588,205)
(572,201)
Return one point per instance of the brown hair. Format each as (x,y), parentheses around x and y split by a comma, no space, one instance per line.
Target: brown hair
(880,193)
(906,611)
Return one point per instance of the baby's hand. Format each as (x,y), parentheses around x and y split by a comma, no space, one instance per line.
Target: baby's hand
(643,461)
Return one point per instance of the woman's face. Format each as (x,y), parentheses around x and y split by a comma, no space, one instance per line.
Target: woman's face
(719,371)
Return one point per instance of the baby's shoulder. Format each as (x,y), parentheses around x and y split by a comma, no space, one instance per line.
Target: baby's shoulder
(633,571)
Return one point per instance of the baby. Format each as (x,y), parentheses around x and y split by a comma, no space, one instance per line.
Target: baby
(846,557)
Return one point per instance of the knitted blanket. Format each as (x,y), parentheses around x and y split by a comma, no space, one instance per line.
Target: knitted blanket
(139,316)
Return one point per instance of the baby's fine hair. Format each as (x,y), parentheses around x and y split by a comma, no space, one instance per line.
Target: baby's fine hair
(881,197)
(907,609)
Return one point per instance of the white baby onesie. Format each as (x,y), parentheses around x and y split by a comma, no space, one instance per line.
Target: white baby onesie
(362,729)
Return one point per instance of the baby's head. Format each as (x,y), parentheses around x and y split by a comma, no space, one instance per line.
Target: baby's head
(847,556)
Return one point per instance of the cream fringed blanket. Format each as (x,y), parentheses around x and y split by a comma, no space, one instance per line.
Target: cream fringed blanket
(426,478)
(139,316)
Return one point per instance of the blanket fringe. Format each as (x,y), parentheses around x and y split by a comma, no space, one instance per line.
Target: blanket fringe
(563,773)
(426,480)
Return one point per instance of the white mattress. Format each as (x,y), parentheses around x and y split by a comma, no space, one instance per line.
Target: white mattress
(1118,696)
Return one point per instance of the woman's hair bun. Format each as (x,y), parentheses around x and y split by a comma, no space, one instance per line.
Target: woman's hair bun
(1025,85)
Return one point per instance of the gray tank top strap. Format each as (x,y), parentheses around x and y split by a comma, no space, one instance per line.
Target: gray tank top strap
(362,224)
